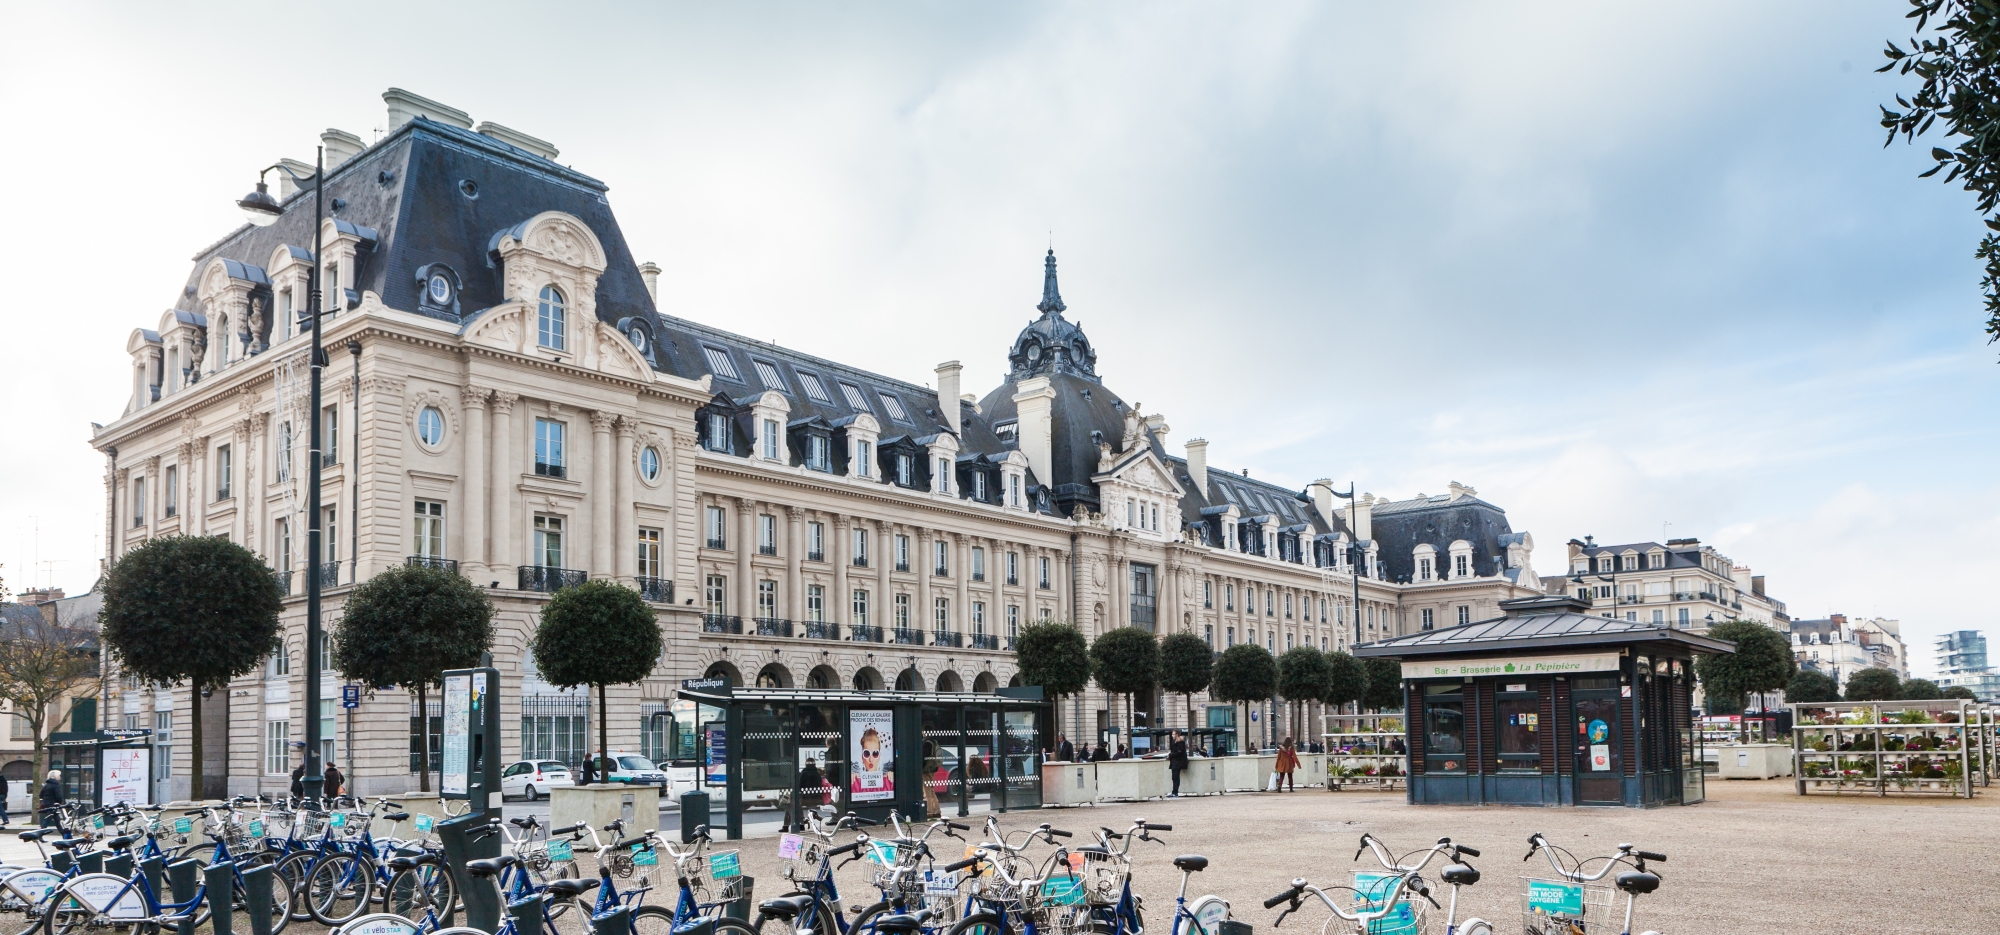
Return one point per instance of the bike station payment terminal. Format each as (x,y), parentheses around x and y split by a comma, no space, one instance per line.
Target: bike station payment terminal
(471,771)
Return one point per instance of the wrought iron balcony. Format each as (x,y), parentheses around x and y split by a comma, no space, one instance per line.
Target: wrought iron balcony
(1013,579)
(861,561)
(773,626)
(985,641)
(979,576)
(947,638)
(1632,599)
(546,469)
(1708,596)
(432,561)
(906,637)
(549,579)
(902,566)
(329,574)
(328,459)
(721,623)
(815,555)
(284,581)
(1013,643)
(716,542)
(768,548)
(863,633)
(657,590)
(821,630)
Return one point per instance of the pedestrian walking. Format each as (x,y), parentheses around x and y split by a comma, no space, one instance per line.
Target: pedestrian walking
(51,799)
(1288,762)
(1065,751)
(589,771)
(1177,761)
(1100,754)
(335,783)
(299,779)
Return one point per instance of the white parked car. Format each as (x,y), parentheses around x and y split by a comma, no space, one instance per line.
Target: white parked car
(631,768)
(534,778)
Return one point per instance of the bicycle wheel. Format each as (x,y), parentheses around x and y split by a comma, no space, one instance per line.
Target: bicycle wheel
(978,923)
(864,924)
(293,868)
(420,892)
(652,920)
(338,888)
(570,916)
(728,926)
(24,896)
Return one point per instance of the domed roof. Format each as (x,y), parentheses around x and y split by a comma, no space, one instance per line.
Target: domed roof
(1052,343)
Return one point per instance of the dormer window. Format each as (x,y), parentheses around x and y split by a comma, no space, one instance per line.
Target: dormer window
(1424,569)
(815,390)
(894,407)
(551,330)
(768,373)
(718,433)
(720,364)
(770,439)
(905,471)
(1007,430)
(852,394)
(1461,566)
(816,453)
(863,458)
(943,475)
(979,485)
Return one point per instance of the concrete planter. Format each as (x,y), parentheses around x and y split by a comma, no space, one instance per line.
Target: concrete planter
(600,805)
(1247,773)
(1312,770)
(1069,783)
(1132,779)
(1204,776)
(1753,761)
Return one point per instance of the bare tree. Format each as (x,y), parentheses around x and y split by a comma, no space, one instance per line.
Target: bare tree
(45,669)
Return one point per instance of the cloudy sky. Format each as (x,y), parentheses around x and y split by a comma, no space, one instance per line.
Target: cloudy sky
(1630,270)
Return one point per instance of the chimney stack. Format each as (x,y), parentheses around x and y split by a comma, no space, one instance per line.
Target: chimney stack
(340,146)
(404,107)
(1322,494)
(1360,519)
(947,391)
(1033,401)
(519,140)
(650,272)
(1197,460)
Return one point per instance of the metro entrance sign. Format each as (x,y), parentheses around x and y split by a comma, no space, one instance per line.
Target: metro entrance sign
(1510,665)
(350,696)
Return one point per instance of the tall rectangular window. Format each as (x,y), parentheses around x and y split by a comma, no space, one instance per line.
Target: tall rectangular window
(1013,620)
(860,547)
(1044,560)
(549,541)
(902,611)
(649,553)
(170,491)
(223,472)
(1014,490)
(902,552)
(277,747)
(1013,568)
(767,534)
(979,618)
(863,459)
(815,603)
(1460,566)
(331,285)
(329,536)
(905,469)
(816,453)
(551,325)
(284,455)
(1464,614)
(860,608)
(715,594)
(284,537)
(941,610)
(138,501)
(286,315)
(816,541)
(717,523)
(1425,614)
(978,563)
(548,448)
(1229,597)
(719,434)
(770,437)
(329,436)
(1208,595)
(428,534)
(767,598)
(942,561)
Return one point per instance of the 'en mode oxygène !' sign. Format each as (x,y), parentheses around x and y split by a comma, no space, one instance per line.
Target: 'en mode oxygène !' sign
(1509,665)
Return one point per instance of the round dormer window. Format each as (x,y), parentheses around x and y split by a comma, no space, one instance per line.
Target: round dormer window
(649,464)
(430,426)
(439,289)
(638,336)
(1034,352)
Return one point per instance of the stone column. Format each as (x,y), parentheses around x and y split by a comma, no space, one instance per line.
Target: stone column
(794,554)
(504,553)
(472,502)
(156,509)
(884,604)
(600,494)
(926,566)
(746,546)
(996,576)
(625,532)
(121,510)
(204,490)
(240,485)
(961,612)
(841,553)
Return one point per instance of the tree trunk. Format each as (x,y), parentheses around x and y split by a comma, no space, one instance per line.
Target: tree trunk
(423,740)
(194,754)
(603,749)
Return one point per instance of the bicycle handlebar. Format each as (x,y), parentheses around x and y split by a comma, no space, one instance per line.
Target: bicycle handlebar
(1467,851)
(1298,887)
(1652,855)
(843,849)
(972,861)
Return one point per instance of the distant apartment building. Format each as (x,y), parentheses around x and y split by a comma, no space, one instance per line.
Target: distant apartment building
(1961,660)
(1838,647)
(1680,584)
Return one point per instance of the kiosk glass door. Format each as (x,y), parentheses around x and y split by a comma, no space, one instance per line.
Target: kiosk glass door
(771,765)
(982,743)
(1021,767)
(944,759)
(1599,765)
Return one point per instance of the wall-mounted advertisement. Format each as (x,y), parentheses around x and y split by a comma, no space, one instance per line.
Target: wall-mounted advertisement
(128,775)
(872,735)
(457,735)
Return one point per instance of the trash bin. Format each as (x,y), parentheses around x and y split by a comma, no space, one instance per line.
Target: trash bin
(694,813)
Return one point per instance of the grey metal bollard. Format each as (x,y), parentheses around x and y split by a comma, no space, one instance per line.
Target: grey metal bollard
(257,899)
(479,897)
(61,862)
(221,895)
(181,878)
(614,921)
(740,896)
(155,867)
(119,865)
(92,862)
(527,913)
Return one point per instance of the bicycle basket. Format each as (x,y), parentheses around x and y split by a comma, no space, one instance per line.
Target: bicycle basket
(1104,874)
(1559,907)
(718,878)
(801,855)
(1407,918)
(1058,904)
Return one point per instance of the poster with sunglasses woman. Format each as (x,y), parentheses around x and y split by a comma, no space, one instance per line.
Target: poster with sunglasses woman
(873,734)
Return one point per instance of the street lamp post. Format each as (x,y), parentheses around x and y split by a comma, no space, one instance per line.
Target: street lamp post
(263,211)
(1611,579)
(1355,556)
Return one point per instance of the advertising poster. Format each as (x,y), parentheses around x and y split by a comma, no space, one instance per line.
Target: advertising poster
(717,772)
(872,735)
(457,733)
(128,776)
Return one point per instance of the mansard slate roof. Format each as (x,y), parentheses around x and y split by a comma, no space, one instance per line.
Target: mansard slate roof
(1399,526)
(1682,557)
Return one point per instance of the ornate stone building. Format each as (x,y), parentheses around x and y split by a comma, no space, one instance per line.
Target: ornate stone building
(505,398)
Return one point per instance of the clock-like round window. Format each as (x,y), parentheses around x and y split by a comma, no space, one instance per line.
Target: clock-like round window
(1034,352)
(430,426)
(440,289)
(649,464)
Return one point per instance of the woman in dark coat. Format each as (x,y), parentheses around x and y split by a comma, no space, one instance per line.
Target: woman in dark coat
(1177,760)
(51,798)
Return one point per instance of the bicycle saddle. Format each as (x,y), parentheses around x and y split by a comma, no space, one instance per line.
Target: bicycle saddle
(396,816)
(1192,863)
(901,922)
(785,907)
(571,887)
(1461,874)
(121,842)
(521,822)
(32,836)
(1638,882)
(490,866)
(69,843)
(400,864)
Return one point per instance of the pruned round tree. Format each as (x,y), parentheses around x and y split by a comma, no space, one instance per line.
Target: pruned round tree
(1246,674)
(1762,662)
(1055,656)
(1385,684)
(1125,661)
(1873,684)
(1187,663)
(1347,679)
(405,627)
(597,633)
(1960,693)
(1919,690)
(1809,687)
(1303,676)
(195,609)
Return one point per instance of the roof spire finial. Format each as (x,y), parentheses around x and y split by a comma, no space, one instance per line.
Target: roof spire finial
(1052,303)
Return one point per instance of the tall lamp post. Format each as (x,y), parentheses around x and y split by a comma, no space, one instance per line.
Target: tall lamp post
(264,211)
(1612,579)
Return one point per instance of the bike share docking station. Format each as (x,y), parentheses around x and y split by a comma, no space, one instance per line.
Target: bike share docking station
(471,753)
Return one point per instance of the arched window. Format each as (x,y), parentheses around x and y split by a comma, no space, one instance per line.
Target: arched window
(551,331)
